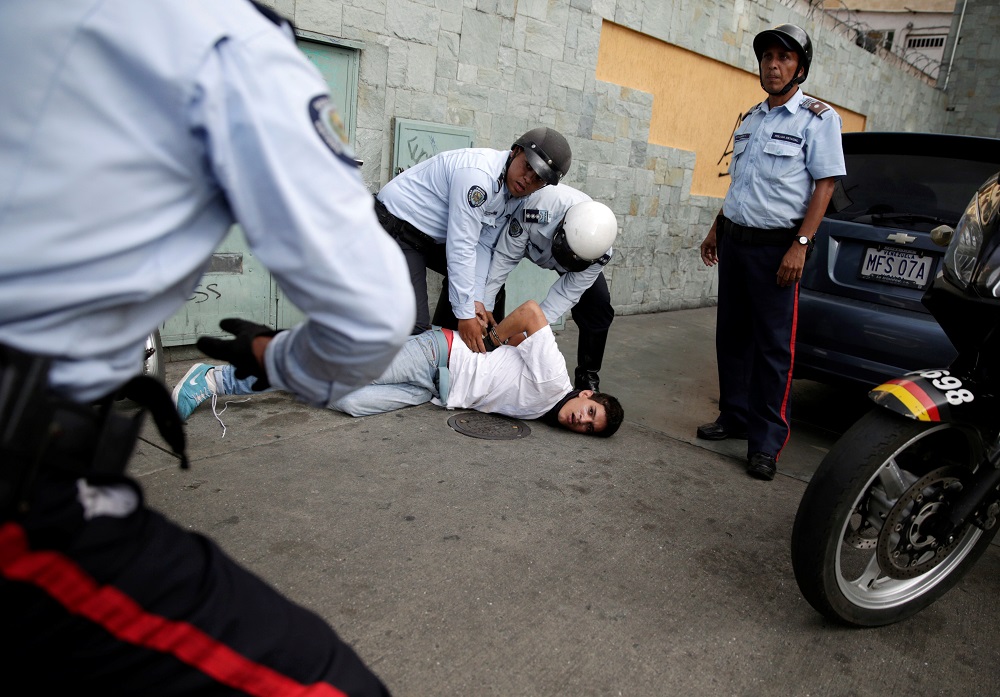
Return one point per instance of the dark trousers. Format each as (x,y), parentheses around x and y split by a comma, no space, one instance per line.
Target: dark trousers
(754,343)
(594,313)
(138,606)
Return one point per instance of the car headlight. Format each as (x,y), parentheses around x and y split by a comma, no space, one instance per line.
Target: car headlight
(960,259)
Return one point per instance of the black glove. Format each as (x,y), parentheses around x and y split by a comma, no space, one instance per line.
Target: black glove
(239,351)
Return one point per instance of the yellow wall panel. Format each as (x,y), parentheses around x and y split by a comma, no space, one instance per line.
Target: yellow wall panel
(697,101)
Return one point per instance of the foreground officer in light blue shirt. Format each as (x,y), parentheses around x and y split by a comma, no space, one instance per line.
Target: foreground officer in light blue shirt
(447,212)
(787,156)
(563,229)
(134,134)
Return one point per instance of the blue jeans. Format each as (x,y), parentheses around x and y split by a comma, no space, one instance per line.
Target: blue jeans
(410,379)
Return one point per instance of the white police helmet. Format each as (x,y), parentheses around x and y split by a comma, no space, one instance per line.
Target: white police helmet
(586,234)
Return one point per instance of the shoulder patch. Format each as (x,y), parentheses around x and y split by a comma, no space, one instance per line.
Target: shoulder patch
(534,215)
(815,106)
(603,261)
(330,128)
(476,196)
(515,228)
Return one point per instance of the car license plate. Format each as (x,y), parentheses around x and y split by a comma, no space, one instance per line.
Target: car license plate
(898,266)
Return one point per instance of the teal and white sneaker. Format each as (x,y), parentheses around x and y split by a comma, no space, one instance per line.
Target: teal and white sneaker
(197,385)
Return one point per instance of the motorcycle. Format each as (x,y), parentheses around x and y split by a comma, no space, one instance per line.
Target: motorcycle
(907,500)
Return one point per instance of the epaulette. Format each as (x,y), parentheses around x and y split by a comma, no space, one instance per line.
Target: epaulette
(747,115)
(815,106)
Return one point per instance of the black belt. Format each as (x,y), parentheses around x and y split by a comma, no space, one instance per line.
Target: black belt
(402,230)
(756,235)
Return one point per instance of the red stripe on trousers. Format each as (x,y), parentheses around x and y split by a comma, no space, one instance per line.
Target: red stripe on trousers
(117,613)
(791,364)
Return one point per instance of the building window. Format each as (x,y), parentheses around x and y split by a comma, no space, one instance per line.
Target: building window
(925,42)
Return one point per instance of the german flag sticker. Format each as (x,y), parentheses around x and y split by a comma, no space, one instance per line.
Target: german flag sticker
(908,397)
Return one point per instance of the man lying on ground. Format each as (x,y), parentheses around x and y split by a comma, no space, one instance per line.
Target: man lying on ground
(524,377)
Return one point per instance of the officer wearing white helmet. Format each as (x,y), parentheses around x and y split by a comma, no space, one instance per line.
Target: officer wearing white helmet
(787,156)
(134,135)
(563,229)
(447,212)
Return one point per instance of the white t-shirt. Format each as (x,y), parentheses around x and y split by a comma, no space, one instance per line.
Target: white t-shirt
(523,381)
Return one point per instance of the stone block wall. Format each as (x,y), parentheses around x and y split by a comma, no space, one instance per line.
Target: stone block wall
(504,66)
(970,76)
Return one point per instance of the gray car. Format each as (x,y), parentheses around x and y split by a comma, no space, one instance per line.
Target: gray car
(860,317)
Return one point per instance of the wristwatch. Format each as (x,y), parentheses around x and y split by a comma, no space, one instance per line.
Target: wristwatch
(804,241)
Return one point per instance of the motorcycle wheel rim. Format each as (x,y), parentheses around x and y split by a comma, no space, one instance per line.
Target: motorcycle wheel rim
(873,589)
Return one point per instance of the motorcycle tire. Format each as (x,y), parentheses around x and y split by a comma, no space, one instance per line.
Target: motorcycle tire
(838,554)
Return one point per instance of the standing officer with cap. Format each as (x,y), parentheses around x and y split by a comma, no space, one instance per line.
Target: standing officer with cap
(134,135)
(563,229)
(447,212)
(787,156)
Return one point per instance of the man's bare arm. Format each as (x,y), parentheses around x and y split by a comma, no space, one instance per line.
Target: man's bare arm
(521,323)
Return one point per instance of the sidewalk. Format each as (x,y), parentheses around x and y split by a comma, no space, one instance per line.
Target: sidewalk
(644,564)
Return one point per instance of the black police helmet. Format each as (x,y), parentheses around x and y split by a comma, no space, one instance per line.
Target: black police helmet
(793,38)
(547,152)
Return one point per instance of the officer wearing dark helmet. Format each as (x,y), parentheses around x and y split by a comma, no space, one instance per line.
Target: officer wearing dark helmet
(787,156)
(447,212)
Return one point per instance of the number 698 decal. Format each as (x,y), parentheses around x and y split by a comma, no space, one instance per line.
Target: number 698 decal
(949,385)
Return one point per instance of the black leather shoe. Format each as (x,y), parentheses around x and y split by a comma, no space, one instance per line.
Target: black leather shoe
(716,431)
(762,466)
(587,380)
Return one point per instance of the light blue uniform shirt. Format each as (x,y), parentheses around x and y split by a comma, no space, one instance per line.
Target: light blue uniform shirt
(529,236)
(459,198)
(132,136)
(778,154)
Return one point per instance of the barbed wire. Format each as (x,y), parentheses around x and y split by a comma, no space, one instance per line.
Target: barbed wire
(845,21)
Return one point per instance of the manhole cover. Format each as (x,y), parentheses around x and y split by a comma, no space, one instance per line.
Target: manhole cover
(489,426)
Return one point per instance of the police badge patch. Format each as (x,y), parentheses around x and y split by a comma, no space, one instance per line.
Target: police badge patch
(330,127)
(476,196)
(515,229)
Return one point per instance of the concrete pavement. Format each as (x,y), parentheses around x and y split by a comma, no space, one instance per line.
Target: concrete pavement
(644,564)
